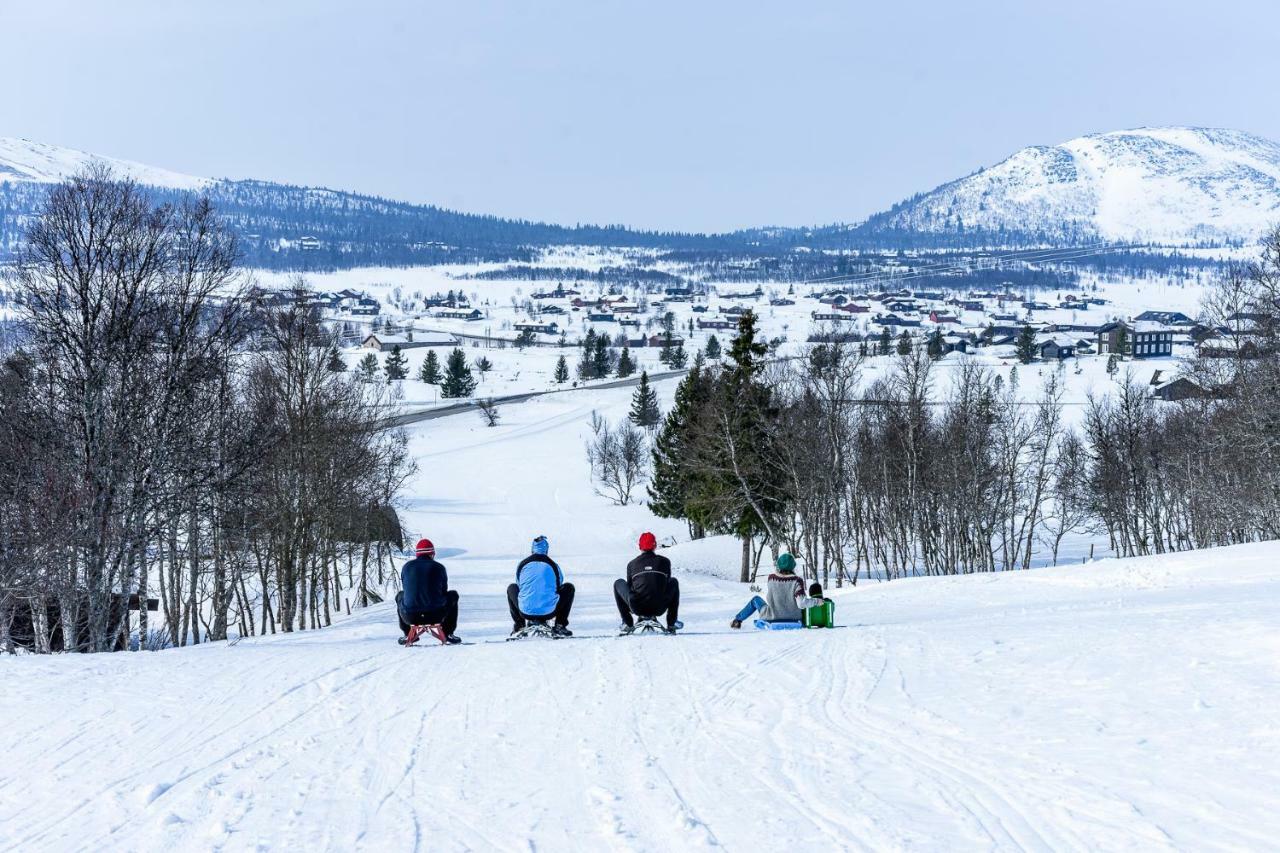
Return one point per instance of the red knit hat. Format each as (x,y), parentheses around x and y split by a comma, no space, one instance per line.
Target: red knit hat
(648,541)
(425,548)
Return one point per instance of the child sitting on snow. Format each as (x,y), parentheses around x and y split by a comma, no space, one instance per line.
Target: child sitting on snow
(823,613)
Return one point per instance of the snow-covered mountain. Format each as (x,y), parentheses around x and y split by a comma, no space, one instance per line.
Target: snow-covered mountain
(24,160)
(1168,185)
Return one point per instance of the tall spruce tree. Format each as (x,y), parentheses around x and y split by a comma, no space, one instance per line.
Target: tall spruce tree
(644,404)
(745,411)
(430,370)
(397,366)
(458,381)
(886,341)
(675,485)
(713,348)
(562,371)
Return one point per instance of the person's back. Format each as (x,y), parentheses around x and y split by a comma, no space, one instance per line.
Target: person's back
(780,598)
(539,578)
(425,583)
(647,576)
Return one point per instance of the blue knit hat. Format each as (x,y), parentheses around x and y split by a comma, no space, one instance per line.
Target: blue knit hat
(541,545)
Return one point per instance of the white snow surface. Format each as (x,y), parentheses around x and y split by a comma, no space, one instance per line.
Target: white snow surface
(1117,705)
(1168,185)
(24,160)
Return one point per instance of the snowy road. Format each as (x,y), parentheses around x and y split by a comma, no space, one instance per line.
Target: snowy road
(1127,705)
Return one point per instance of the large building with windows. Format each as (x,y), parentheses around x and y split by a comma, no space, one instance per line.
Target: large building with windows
(1139,339)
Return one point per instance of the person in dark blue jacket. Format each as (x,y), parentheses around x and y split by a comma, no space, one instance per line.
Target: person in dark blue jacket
(540,592)
(426,598)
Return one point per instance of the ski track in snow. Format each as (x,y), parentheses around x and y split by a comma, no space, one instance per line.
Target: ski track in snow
(1128,705)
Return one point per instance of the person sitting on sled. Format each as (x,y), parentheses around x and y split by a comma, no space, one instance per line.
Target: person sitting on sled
(823,613)
(649,590)
(425,598)
(540,592)
(784,596)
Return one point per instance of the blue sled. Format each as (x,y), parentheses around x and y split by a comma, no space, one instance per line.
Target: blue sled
(778,626)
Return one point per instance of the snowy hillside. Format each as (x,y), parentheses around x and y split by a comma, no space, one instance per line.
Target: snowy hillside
(1169,185)
(1120,705)
(27,161)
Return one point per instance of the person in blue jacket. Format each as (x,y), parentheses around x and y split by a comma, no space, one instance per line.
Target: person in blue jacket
(540,592)
(426,598)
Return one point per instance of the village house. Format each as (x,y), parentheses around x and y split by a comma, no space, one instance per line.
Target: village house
(383,342)
(537,328)
(1056,347)
(715,324)
(458,314)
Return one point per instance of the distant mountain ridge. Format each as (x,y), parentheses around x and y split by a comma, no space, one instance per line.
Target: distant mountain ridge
(1167,186)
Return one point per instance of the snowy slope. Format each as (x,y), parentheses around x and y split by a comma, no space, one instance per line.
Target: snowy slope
(27,161)
(1122,705)
(1165,185)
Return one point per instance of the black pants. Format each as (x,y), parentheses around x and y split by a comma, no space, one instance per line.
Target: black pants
(668,600)
(562,606)
(447,617)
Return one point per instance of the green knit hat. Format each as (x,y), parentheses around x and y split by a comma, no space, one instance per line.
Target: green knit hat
(786,563)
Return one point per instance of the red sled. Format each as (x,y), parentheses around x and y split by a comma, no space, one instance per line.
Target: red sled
(417,631)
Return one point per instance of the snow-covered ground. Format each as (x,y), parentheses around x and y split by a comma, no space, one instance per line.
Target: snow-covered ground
(1117,705)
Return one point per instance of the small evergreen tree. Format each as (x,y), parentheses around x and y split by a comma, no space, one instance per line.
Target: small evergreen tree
(429,372)
(644,404)
(886,341)
(935,345)
(458,381)
(368,368)
(1026,344)
(626,366)
(562,371)
(678,358)
(484,366)
(397,366)
(335,363)
(989,334)
(602,363)
(904,343)
(713,348)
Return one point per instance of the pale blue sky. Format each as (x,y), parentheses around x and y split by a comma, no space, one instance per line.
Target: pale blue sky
(689,115)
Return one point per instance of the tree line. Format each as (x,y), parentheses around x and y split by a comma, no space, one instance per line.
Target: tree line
(896,476)
(163,438)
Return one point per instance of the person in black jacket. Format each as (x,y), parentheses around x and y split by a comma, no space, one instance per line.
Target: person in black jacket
(426,598)
(649,590)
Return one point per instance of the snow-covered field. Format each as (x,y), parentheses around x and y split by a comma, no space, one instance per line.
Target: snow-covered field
(1119,705)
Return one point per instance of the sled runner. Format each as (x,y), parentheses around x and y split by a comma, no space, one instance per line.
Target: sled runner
(778,626)
(416,632)
(535,629)
(651,625)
